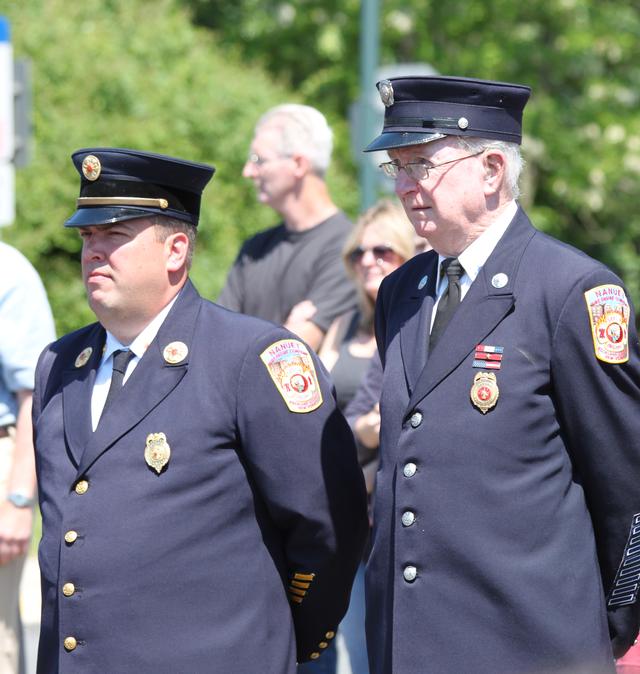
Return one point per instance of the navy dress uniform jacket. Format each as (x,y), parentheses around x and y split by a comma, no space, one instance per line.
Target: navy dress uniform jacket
(189,571)
(521,515)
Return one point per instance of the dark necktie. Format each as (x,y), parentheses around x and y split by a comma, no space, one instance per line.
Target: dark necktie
(449,301)
(121,359)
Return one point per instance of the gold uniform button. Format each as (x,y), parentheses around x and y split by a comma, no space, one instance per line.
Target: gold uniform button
(82,487)
(330,635)
(315,656)
(68,589)
(70,643)
(71,536)
(323,644)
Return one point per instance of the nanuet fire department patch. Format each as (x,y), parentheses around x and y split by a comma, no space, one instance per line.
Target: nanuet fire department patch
(609,317)
(292,370)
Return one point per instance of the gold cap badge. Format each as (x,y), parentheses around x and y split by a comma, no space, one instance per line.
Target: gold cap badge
(157,452)
(386,92)
(91,167)
(484,391)
(83,357)
(175,352)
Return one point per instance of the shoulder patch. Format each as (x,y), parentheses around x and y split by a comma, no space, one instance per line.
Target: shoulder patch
(609,317)
(292,371)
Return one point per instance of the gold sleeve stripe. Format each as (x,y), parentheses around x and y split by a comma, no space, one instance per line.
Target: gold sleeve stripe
(304,576)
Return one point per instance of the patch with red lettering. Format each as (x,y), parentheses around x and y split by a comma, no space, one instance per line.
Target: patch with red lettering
(292,371)
(609,317)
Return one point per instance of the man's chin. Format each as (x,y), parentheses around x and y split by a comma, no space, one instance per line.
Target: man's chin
(98,303)
(424,228)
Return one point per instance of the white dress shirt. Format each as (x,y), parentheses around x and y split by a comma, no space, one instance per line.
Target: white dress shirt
(475,255)
(139,345)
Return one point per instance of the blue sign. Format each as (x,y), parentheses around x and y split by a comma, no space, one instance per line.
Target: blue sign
(5,30)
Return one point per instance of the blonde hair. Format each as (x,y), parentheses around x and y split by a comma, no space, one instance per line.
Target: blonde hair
(389,220)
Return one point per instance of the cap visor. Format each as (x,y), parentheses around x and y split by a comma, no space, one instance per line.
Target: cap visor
(393,139)
(106,215)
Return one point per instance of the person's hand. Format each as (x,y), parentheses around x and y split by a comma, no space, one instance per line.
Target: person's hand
(303,311)
(367,428)
(299,322)
(15,531)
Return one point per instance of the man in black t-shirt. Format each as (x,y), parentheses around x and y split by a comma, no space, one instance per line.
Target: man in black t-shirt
(292,273)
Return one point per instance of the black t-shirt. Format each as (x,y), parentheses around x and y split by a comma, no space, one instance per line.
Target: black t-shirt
(276,269)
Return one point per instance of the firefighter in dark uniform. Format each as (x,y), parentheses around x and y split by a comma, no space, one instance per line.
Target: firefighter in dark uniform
(203,510)
(507,512)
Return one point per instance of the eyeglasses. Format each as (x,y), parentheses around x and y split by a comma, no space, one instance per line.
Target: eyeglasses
(257,160)
(381,252)
(417,170)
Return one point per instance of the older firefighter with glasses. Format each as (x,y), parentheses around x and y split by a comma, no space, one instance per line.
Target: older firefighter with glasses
(507,506)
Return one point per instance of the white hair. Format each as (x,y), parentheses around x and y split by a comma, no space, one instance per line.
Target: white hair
(303,130)
(515,162)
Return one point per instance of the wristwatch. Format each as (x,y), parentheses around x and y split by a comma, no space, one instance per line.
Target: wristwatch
(20,500)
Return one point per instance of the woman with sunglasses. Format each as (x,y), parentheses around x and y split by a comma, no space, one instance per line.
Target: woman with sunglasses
(381,240)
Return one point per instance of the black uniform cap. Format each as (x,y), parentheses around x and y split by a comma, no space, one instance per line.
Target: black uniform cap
(118,184)
(423,109)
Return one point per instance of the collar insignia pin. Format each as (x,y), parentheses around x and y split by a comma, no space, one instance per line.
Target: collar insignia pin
(175,352)
(423,282)
(499,280)
(83,357)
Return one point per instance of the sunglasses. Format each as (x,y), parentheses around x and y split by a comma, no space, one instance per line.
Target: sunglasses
(385,253)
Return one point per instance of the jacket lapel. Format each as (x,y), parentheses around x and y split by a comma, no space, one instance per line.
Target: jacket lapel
(415,317)
(152,380)
(77,386)
(482,309)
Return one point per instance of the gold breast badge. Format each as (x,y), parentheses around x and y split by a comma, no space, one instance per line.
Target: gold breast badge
(157,452)
(484,391)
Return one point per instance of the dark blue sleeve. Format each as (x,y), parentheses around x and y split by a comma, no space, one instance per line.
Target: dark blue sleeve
(599,409)
(305,468)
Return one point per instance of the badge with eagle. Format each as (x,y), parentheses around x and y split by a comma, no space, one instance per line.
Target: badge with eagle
(157,452)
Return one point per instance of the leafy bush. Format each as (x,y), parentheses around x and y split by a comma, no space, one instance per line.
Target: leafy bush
(135,73)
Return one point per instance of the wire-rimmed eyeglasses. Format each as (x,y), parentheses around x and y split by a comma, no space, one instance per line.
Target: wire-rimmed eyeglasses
(257,160)
(417,170)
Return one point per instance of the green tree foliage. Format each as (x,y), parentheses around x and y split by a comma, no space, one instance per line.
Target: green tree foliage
(135,73)
(579,56)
